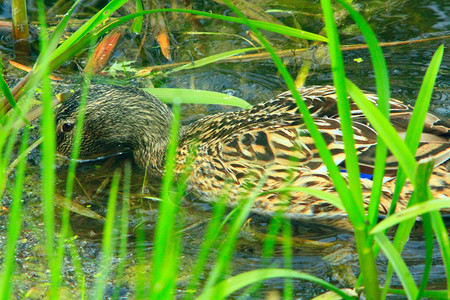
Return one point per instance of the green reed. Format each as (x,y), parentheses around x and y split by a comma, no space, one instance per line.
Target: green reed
(20,19)
(108,242)
(15,221)
(48,149)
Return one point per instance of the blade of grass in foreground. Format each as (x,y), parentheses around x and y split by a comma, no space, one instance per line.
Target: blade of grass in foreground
(108,241)
(226,250)
(411,212)
(210,238)
(424,170)
(15,223)
(430,294)
(123,229)
(196,96)
(366,255)
(399,265)
(8,95)
(237,282)
(87,27)
(8,136)
(77,266)
(384,128)
(48,147)
(412,138)
(212,59)
(343,105)
(65,230)
(270,239)
(162,280)
(287,256)
(415,125)
(383,93)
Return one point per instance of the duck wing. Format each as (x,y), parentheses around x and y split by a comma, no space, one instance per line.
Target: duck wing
(322,102)
(271,143)
(239,149)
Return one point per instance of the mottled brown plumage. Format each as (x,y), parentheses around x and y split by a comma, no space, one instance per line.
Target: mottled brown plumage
(235,150)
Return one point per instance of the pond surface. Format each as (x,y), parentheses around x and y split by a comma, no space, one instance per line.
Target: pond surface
(323,252)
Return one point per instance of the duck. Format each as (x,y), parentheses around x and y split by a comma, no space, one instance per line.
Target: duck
(267,145)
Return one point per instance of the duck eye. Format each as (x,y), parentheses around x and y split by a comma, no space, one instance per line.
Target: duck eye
(67,127)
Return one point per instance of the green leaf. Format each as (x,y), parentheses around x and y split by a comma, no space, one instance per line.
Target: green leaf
(411,212)
(399,265)
(185,96)
(136,27)
(8,95)
(91,24)
(332,199)
(237,282)
(384,129)
(212,59)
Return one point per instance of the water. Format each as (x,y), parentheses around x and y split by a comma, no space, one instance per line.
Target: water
(321,252)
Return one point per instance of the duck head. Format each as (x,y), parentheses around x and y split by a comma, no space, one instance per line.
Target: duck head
(117,120)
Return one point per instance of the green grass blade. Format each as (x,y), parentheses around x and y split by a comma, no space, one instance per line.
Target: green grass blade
(423,173)
(429,245)
(415,125)
(421,193)
(57,34)
(384,128)
(235,283)
(343,104)
(93,22)
(8,95)
(15,224)
(430,294)
(209,239)
(196,96)
(124,219)
(108,240)
(136,27)
(413,135)
(48,147)
(225,253)
(383,92)
(165,237)
(399,265)
(442,236)
(212,59)
(9,136)
(287,256)
(332,199)
(366,255)
(411,212)
(77,265)
(270,240)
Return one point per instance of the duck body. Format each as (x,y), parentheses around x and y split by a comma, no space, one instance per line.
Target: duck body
(267,145)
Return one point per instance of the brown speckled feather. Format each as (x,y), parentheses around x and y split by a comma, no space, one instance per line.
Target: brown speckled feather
(271,141)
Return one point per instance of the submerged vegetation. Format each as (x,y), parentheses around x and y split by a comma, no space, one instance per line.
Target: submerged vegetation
(150,248)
